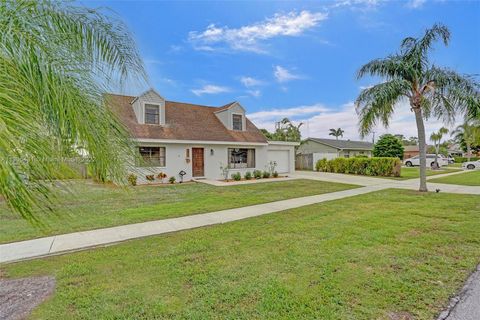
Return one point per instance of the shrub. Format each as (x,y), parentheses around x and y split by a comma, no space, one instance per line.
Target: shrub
(379,166)
(150,177)
(321,165)
(161,176)
(172,180)
(132,179)
(237,176)
(266,174)
(464,159)
(257,174)
(248,175)
(388,146)
(271,166)
(275,174)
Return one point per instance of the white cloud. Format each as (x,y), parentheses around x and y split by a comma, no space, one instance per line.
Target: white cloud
(277,114)
(248,37)
(356,3)
(283,75)
(251,82)
(254,93)
(415,4)
(318,119)
(210,89)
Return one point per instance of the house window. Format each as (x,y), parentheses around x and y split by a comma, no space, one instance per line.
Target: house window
(241,158)
(237,122)
(152,114)
(152,156)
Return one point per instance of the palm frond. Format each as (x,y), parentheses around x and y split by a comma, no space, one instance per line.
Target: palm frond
(451,93)
(376,104)
(56,60)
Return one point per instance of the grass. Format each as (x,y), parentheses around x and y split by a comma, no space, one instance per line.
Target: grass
(397,251)
(455,165)
(414,172)
(471,178)
(89,205)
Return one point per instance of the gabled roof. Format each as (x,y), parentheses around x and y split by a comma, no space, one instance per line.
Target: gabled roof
(183,121)
(344,144)
(144,93)
(226,107)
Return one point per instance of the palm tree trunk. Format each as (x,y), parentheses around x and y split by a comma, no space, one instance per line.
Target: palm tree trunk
(437,147)
(469,152)
(422,149)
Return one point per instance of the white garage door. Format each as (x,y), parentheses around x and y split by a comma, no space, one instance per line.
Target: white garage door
(282,157)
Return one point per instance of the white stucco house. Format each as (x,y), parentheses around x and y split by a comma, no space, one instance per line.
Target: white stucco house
(172,137)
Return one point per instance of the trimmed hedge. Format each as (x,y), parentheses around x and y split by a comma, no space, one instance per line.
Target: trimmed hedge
(464,159)
(376,166)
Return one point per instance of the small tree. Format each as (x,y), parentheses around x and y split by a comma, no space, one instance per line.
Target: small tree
(436,137)
(467,134)
(336,132)
(388,146)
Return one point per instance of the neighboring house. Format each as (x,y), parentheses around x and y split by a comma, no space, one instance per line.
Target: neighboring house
(172,137)
(410,151)
(314,149)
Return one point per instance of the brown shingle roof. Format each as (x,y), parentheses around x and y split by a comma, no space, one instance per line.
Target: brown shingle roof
(183,121)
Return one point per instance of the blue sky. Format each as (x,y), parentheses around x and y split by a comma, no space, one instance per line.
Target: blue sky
(294,59)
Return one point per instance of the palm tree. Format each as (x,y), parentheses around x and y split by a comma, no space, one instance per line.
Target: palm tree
(436,137)
(336,133)
(409,76)
(56,61)
(468,133)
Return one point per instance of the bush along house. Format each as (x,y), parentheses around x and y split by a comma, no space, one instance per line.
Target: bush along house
(188,141)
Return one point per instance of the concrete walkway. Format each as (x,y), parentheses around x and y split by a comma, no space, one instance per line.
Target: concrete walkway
(466,306)
(219,183)
(53,245)
(411,184)
(86,239)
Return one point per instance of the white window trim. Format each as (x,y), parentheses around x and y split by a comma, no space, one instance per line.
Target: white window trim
(153,146)
(249,168)
(243,121)
(159,113)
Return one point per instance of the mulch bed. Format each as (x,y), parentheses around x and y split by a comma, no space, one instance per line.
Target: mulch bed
(18,297)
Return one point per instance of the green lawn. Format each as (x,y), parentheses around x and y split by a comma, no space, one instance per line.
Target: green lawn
(365,257)
(455,165)
(89,205)
(467,179)
(414,172)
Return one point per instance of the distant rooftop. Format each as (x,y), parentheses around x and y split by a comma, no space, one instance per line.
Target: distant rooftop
(344,144)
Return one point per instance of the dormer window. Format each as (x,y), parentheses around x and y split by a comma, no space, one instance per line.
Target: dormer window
(237,122)
(152,113)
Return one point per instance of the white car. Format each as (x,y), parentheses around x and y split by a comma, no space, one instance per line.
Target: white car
(471,165)
(415,161)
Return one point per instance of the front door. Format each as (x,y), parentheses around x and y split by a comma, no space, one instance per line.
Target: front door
(197,162)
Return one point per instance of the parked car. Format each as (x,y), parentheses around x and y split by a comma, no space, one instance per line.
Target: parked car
(415,161)
(450,159)
(471,165)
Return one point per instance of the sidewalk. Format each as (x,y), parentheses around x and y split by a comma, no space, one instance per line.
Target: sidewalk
(53,245)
